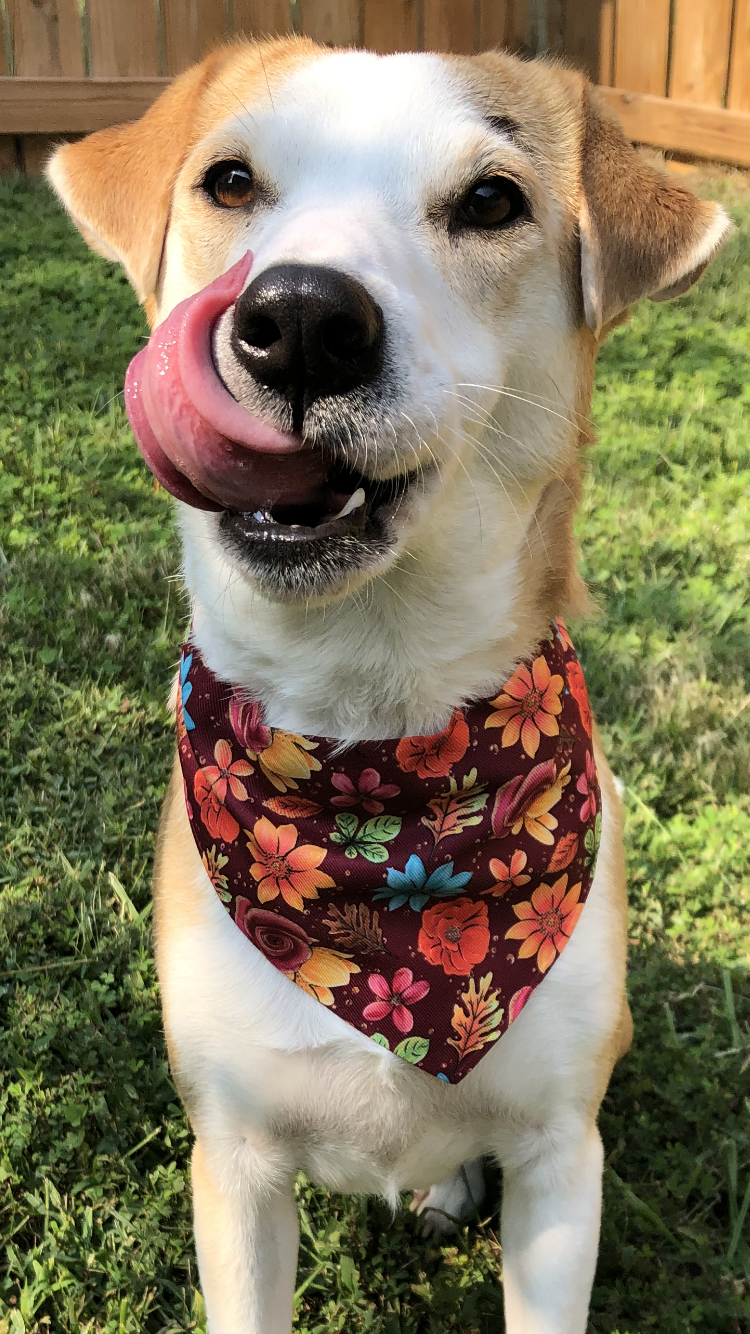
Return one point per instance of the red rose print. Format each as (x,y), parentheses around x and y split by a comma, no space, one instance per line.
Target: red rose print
(455,935)
(284,943)
(434,756)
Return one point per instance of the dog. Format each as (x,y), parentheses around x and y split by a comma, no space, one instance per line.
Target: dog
(439,245)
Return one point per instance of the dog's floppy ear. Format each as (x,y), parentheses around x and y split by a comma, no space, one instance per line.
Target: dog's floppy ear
(117,184)
(641,234)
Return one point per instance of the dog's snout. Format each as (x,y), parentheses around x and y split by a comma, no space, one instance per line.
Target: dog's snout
(308,332)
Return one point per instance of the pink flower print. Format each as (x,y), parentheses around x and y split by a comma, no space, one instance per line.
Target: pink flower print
(586,785)
(369,792)
(517,1003)
(396,998)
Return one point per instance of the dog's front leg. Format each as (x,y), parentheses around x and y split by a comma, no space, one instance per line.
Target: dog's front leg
(550,1229)
(247,1237)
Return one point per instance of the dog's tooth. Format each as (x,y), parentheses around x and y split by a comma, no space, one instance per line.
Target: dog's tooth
(353,503)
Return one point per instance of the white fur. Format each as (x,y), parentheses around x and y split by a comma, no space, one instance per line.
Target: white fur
(357,150)
(274,1081)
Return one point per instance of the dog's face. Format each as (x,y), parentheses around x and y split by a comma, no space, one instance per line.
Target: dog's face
(437,243)
(405,248)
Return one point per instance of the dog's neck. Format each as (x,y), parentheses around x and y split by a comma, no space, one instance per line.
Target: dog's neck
(445,624)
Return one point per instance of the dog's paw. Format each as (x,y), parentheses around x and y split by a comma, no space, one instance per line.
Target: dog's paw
(444,1207)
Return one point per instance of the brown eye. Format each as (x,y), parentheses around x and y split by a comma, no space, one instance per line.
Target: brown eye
(495,203)
(229,184)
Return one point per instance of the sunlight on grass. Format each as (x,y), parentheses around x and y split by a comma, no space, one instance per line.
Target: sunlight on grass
(94,1150)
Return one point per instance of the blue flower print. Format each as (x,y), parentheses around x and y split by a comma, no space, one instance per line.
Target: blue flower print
(186,690)
(415,886)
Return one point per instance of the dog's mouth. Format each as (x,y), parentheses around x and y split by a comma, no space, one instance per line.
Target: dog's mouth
(287,509)
(313,546)
(344,505)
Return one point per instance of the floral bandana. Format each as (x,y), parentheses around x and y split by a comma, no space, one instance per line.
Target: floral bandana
(421,888)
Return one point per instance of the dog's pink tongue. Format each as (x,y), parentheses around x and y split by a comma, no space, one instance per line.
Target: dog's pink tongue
(196,439)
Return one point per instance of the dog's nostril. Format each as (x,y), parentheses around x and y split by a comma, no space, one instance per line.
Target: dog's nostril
(261,332)
(308,332)
(344,337)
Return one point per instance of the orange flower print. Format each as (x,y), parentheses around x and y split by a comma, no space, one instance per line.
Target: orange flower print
(526,803)
(577,687)
(507,876)
(280,867)
(210,789)
(434,756)
(528,705)
(455,935)
(547,922)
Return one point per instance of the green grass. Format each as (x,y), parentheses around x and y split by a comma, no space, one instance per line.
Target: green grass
(94,1198)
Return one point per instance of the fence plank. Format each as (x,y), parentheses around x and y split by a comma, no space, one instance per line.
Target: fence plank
(262,18)
(47,38)
(589,37)
(77,106)
(708,132)
(8,155)
(642,46)
(449,25)
(335,22)
(191,28)
(118,49)
(520,25)
(738,97)
(5,65)
(494,18)
(700,51)
(391,25)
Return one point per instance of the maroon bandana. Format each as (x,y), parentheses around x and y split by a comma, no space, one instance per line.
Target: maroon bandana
(420,888)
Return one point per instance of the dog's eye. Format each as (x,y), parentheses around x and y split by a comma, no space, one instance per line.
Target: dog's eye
(496,202)
(229,184)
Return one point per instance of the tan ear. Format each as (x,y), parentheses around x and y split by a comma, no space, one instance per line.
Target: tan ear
(641,234)
(117,184)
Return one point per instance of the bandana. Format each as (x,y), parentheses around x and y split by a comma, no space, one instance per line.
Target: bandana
(420,888)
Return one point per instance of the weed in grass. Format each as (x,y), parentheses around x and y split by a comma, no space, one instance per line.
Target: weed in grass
(94,1150)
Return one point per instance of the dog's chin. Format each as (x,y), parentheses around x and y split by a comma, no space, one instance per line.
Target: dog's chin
(319,550)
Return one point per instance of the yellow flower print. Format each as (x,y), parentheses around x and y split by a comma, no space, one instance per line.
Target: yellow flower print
(323,970)
(288,760)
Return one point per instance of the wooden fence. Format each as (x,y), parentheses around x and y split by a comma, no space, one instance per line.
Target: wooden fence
(676,71)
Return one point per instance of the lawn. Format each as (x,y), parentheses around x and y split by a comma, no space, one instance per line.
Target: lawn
(94,1148)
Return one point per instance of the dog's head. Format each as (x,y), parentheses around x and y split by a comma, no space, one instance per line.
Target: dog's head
(438,244)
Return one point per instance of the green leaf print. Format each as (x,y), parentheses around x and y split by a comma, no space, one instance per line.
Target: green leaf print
(366,841)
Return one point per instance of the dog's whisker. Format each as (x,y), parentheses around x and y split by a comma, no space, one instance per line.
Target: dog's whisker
(531,400)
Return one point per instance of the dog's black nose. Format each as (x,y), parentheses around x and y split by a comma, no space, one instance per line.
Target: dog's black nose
(307,332)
